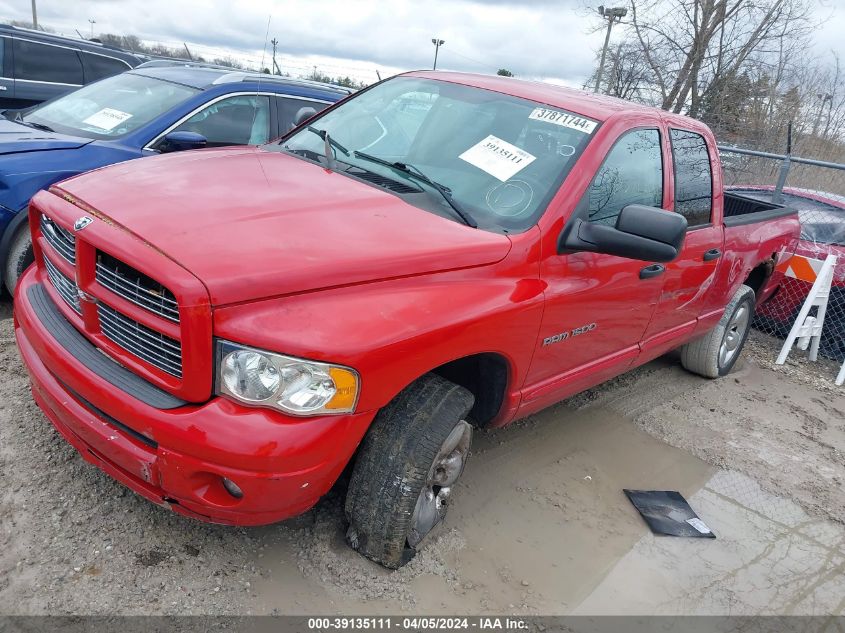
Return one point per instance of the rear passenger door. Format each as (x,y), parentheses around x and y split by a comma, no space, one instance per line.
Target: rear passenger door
(689,278)
(43,71)
(7,82)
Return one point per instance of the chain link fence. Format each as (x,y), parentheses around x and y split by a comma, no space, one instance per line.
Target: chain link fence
(816,189)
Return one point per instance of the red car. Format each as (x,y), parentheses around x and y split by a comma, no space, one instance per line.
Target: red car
(822,217)
(225,331)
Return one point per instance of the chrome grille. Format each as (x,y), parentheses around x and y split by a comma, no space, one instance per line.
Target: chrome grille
(64,286)
(61,240)
(136,287)
(154,347)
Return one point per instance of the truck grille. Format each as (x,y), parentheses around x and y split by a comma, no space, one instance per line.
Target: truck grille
(136,287)
(154,347)
(65,287)
(61,240)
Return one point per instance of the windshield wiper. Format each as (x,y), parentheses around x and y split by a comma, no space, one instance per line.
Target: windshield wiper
(330,142)
(37,126)
(415,173)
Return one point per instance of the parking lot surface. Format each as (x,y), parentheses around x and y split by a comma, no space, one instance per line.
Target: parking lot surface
(539,524)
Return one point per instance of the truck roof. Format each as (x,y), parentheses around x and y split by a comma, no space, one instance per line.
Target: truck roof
(599,107)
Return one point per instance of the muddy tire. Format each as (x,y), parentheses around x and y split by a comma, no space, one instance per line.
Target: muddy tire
(714,354)
(19,258)
(407,463)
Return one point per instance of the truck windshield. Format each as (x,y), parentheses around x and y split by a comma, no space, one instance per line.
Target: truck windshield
(501,158)
(110,108)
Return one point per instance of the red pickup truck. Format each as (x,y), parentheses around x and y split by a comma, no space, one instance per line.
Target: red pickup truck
(226,331)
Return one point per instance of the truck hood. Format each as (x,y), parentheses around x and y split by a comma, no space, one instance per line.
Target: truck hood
(252,224)
(16,137)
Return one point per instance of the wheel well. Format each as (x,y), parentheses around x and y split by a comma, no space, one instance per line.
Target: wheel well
(486,376)
(758,276)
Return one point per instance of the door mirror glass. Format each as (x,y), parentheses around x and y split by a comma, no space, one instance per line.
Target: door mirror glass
(641,232)
(180,141)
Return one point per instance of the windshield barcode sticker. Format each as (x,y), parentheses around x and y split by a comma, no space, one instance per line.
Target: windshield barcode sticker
(107,118)
(564,119)
(498,158)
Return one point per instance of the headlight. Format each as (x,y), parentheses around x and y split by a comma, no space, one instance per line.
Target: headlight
(292,385)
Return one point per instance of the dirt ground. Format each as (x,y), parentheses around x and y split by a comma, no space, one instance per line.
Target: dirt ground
(539,525)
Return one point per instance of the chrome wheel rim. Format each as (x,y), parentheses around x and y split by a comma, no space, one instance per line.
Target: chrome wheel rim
(445,470)
(734,334)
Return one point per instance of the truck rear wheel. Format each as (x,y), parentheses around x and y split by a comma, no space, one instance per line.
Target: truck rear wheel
(715,353)
(406,467)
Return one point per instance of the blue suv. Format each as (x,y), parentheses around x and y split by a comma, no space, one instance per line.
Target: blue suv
(157,107)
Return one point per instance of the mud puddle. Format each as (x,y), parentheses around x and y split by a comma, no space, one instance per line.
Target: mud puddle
(541,525)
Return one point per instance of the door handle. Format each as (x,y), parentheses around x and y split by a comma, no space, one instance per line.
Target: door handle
(713,253)
(652,271)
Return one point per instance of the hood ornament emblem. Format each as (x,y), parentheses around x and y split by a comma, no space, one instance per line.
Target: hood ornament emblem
(81,223)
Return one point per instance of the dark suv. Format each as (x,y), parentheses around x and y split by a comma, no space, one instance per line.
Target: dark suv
(37,66)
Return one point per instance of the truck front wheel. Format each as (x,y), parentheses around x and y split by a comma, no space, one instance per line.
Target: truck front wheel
(19,258)
(715,353)
(410,459)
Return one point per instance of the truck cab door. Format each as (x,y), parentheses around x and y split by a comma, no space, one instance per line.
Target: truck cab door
(689,278)
(598,306)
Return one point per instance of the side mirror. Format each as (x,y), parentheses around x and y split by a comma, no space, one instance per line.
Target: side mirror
(644,233)
(302,115)
(180,141)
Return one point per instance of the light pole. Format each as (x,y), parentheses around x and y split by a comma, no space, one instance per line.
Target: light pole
(92,22)
(437,44)
(34,16)
(610,14)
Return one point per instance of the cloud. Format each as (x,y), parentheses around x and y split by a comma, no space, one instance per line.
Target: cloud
(551,39)
(540,38)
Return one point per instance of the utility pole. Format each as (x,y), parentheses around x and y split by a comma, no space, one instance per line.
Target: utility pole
(187,50)
(437,44)
(610,14)
(92,22)
(276,70)
(34,16)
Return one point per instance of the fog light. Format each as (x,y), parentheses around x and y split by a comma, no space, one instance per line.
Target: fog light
(232,488)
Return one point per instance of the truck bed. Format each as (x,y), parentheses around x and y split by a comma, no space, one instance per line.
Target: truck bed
(741,210)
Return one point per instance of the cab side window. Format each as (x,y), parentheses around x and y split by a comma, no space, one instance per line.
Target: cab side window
(693,178)
(239,120)
(99,66)
(43,62)
(632,173)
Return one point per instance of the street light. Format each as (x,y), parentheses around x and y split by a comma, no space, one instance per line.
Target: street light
(610,14)
(92,22)
(437,44)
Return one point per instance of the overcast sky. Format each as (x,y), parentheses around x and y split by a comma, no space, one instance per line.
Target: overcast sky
(542,39)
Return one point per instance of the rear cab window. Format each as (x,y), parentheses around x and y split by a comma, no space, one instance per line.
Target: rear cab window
(44,62)
(693,177)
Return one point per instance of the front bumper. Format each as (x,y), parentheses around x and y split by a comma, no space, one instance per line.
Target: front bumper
(178,457)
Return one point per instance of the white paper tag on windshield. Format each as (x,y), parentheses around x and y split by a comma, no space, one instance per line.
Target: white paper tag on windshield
(498,158)
(699,525)
(107,118)
(564,119)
